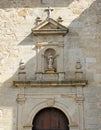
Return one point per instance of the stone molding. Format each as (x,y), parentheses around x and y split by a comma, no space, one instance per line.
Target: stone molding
(70,83)
(43,105)
(44,44)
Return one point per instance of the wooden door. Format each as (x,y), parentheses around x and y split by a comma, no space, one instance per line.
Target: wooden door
(50,119)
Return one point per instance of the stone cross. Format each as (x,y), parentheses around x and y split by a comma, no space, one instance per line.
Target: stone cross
(48,10)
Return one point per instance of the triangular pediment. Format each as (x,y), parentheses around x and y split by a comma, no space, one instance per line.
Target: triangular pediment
(49,26)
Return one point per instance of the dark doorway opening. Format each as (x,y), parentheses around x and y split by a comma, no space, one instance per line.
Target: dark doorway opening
(50,119)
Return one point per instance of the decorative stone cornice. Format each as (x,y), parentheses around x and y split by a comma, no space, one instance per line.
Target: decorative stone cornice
(45,44)
(66,83)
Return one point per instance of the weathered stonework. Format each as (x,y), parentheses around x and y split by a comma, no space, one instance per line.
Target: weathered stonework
(75,86)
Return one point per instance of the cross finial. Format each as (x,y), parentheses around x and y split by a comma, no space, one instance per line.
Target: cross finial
(48,10)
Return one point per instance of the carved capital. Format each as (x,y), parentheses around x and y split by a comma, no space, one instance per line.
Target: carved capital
(21,99)
(79,99)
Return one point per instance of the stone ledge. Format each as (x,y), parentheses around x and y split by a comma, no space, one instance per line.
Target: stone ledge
(28,126)
(67,83)
(49,32)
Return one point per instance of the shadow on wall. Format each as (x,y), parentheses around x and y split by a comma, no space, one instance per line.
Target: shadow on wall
(84,32)
(34,3)
(87,28)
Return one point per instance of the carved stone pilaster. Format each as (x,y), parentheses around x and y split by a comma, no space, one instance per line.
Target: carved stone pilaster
(20,108)
(80,101)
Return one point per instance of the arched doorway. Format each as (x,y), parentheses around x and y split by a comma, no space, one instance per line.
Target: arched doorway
(50,119)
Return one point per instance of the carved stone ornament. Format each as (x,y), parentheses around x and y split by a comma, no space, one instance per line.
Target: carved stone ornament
(78,73)
(50,102)
(21,65)
(49,26)
(60,19)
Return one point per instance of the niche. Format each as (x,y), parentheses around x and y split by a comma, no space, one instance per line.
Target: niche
(50,60)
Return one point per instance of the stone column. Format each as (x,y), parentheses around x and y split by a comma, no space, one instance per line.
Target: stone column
(20,106)
(80,102)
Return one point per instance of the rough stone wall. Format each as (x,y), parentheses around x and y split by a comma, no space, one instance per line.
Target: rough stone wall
(83,42)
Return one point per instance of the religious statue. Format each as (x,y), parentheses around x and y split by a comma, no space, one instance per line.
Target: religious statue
(50,61)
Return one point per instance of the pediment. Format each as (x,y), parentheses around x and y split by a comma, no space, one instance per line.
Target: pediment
(49,26)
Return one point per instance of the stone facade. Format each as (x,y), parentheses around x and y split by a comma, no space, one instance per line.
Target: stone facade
(27,84)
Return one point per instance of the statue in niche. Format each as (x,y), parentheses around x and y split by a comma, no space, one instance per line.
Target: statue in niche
(50,58)
(50,61)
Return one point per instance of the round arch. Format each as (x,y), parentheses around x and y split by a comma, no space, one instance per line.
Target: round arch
(43,105)
(50,118)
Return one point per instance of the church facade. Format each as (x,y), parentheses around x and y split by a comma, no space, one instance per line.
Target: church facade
(50,65)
